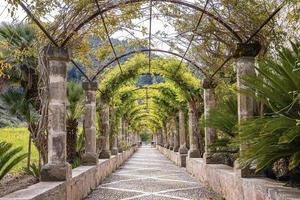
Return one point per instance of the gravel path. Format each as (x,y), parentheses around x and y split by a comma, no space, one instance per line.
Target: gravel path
(148,175)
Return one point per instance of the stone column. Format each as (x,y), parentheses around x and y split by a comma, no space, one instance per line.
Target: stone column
(245,63)
(182,136)
(105,127)
(57,168)
(194,151)
(171,136)
(114,147)
(90,157)
(165,136)
(115,150)
(161,137)
(210,133)
(175,135)
(120,136)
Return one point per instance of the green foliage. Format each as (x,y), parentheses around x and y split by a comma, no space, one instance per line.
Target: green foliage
(19,137)
(145,137)
(34,170)
(224,118)
(9,157)
(20,105)
(151,105)
(75,99)
(17,50)
(275,135)
(80,145)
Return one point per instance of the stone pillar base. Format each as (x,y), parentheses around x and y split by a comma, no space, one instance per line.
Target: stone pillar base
(213,159)
(114,151)
(105,154)
(90,159)
(195,153)
(183,150)
(56,172)
(182,160)
(175,149)
(244,173)
(120,150)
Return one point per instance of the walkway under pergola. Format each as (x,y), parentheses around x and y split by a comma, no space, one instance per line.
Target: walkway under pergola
(148,174)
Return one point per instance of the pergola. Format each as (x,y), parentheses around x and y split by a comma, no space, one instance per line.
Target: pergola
(58,56)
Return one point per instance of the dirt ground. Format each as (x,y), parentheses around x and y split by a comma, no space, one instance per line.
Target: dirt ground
(11,183)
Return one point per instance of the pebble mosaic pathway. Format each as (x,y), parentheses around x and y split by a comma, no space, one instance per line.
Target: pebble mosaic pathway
(148,175)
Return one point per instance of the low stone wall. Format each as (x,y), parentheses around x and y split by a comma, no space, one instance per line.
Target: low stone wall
(224,180)
(178,159)
(84,180)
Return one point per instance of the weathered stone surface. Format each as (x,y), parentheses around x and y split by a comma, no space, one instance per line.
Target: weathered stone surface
(182,135)
(57,168)
(89,158)
(105,127)
(223,180)
(194,132)
(105,154)
(194,153)
(56,172)
(210,133)
(244,66)
(84,179)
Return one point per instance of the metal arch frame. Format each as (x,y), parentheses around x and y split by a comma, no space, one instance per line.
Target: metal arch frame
(125,2)
(107,34)
(30,14)
(101,68)
(193,35)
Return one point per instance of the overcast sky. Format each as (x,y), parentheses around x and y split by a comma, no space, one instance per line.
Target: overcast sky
(157,25)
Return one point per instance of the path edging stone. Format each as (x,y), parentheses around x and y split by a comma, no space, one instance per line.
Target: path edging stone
(84,180)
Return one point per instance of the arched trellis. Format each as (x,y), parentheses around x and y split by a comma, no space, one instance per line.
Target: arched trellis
(101,68)
(125,2)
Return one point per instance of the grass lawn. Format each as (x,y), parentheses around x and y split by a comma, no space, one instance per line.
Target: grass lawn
(19,137)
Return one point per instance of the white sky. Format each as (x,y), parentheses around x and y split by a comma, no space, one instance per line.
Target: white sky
(157,25)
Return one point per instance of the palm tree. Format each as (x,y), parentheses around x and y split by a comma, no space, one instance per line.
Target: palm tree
(276,135)
(9,157)
(17,50)
(74,112)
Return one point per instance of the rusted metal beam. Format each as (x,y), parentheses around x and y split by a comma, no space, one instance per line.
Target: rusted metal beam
(107,34)
(80,70)
(251,37)
(193,36)
(264,23)
(221,66)
(150,34)
(37,22)
(49,36)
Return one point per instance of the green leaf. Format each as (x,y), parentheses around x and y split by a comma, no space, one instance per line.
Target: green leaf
(291,135)
(295,160)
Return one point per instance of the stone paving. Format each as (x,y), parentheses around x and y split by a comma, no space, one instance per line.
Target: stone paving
(148,175)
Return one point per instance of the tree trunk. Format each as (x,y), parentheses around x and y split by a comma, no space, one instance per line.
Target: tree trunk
(29,151)
(72,127)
